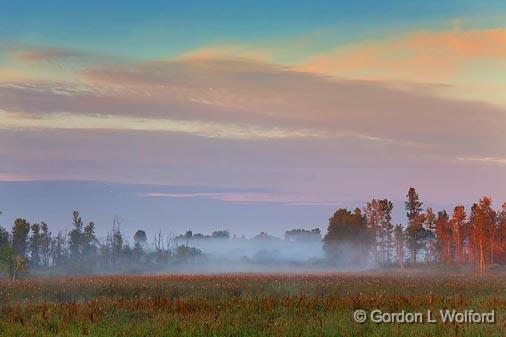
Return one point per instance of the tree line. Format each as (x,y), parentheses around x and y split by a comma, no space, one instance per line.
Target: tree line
(33,246)
(474,238)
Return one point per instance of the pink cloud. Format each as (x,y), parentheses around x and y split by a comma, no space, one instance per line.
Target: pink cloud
(248,197)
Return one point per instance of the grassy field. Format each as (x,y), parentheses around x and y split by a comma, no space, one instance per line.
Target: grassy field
(244,305)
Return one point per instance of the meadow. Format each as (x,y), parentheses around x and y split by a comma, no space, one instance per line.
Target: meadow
(244,304)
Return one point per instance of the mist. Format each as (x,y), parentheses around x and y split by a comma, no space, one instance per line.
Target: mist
(79,252)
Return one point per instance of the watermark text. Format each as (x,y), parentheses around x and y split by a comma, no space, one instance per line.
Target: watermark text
(467,316)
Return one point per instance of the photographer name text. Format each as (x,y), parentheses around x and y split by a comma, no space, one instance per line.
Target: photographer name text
(442,315)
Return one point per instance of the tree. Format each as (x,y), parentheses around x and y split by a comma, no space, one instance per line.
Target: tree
(430,229)
(187,254)
(76,237)
(35,244)
(387,229)
(457,224)
(221,235)
(263,236)
(443,235)
(160,252)
(58,249)
(6,260)
(137,252)
(482,223)
(117,240)
(302,235)
(188,235)
(89,242)
(501,235)
(13,257)
(19,233)
(7,255)
(378,214)
(348,237)
(373,214)
(45,243)
(399,244)
(140,237)
(4,236)
(415,232)
(11,262)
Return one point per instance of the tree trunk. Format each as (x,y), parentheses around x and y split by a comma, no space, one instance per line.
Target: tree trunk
(14,267)
(399,255)
(492,250)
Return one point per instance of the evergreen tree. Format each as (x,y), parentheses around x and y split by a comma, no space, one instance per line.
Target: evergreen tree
(89,242)
(415,232)
(76,237)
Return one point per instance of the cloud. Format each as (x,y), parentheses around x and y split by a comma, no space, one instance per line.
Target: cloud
(419,55)
(10,176)
(247,197)
(47,55)
(317,170)
(240,122)
(56,56)
(452,57)
(490,160)
(229,51)
(108,122)
(240,98)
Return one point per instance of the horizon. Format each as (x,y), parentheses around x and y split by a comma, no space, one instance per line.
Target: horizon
(104,201)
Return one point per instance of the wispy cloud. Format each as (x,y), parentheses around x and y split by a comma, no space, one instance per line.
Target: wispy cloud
(240,98)
(108,122)
(490,160)
(9,176)
(246,197)
(450,61)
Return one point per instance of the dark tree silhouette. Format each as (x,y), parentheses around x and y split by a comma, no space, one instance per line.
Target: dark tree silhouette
(76,237)
(348,238)
(140,237)
(19,234)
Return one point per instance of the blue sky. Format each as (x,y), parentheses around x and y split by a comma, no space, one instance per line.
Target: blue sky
(157,29)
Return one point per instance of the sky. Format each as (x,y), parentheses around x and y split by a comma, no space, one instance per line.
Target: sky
(249,115)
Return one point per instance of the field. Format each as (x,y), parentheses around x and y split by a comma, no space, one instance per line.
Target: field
(244,305)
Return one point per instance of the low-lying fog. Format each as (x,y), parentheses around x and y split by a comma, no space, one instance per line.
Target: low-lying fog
(260,250)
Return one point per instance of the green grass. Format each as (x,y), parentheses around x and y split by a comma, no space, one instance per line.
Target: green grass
(244,305)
